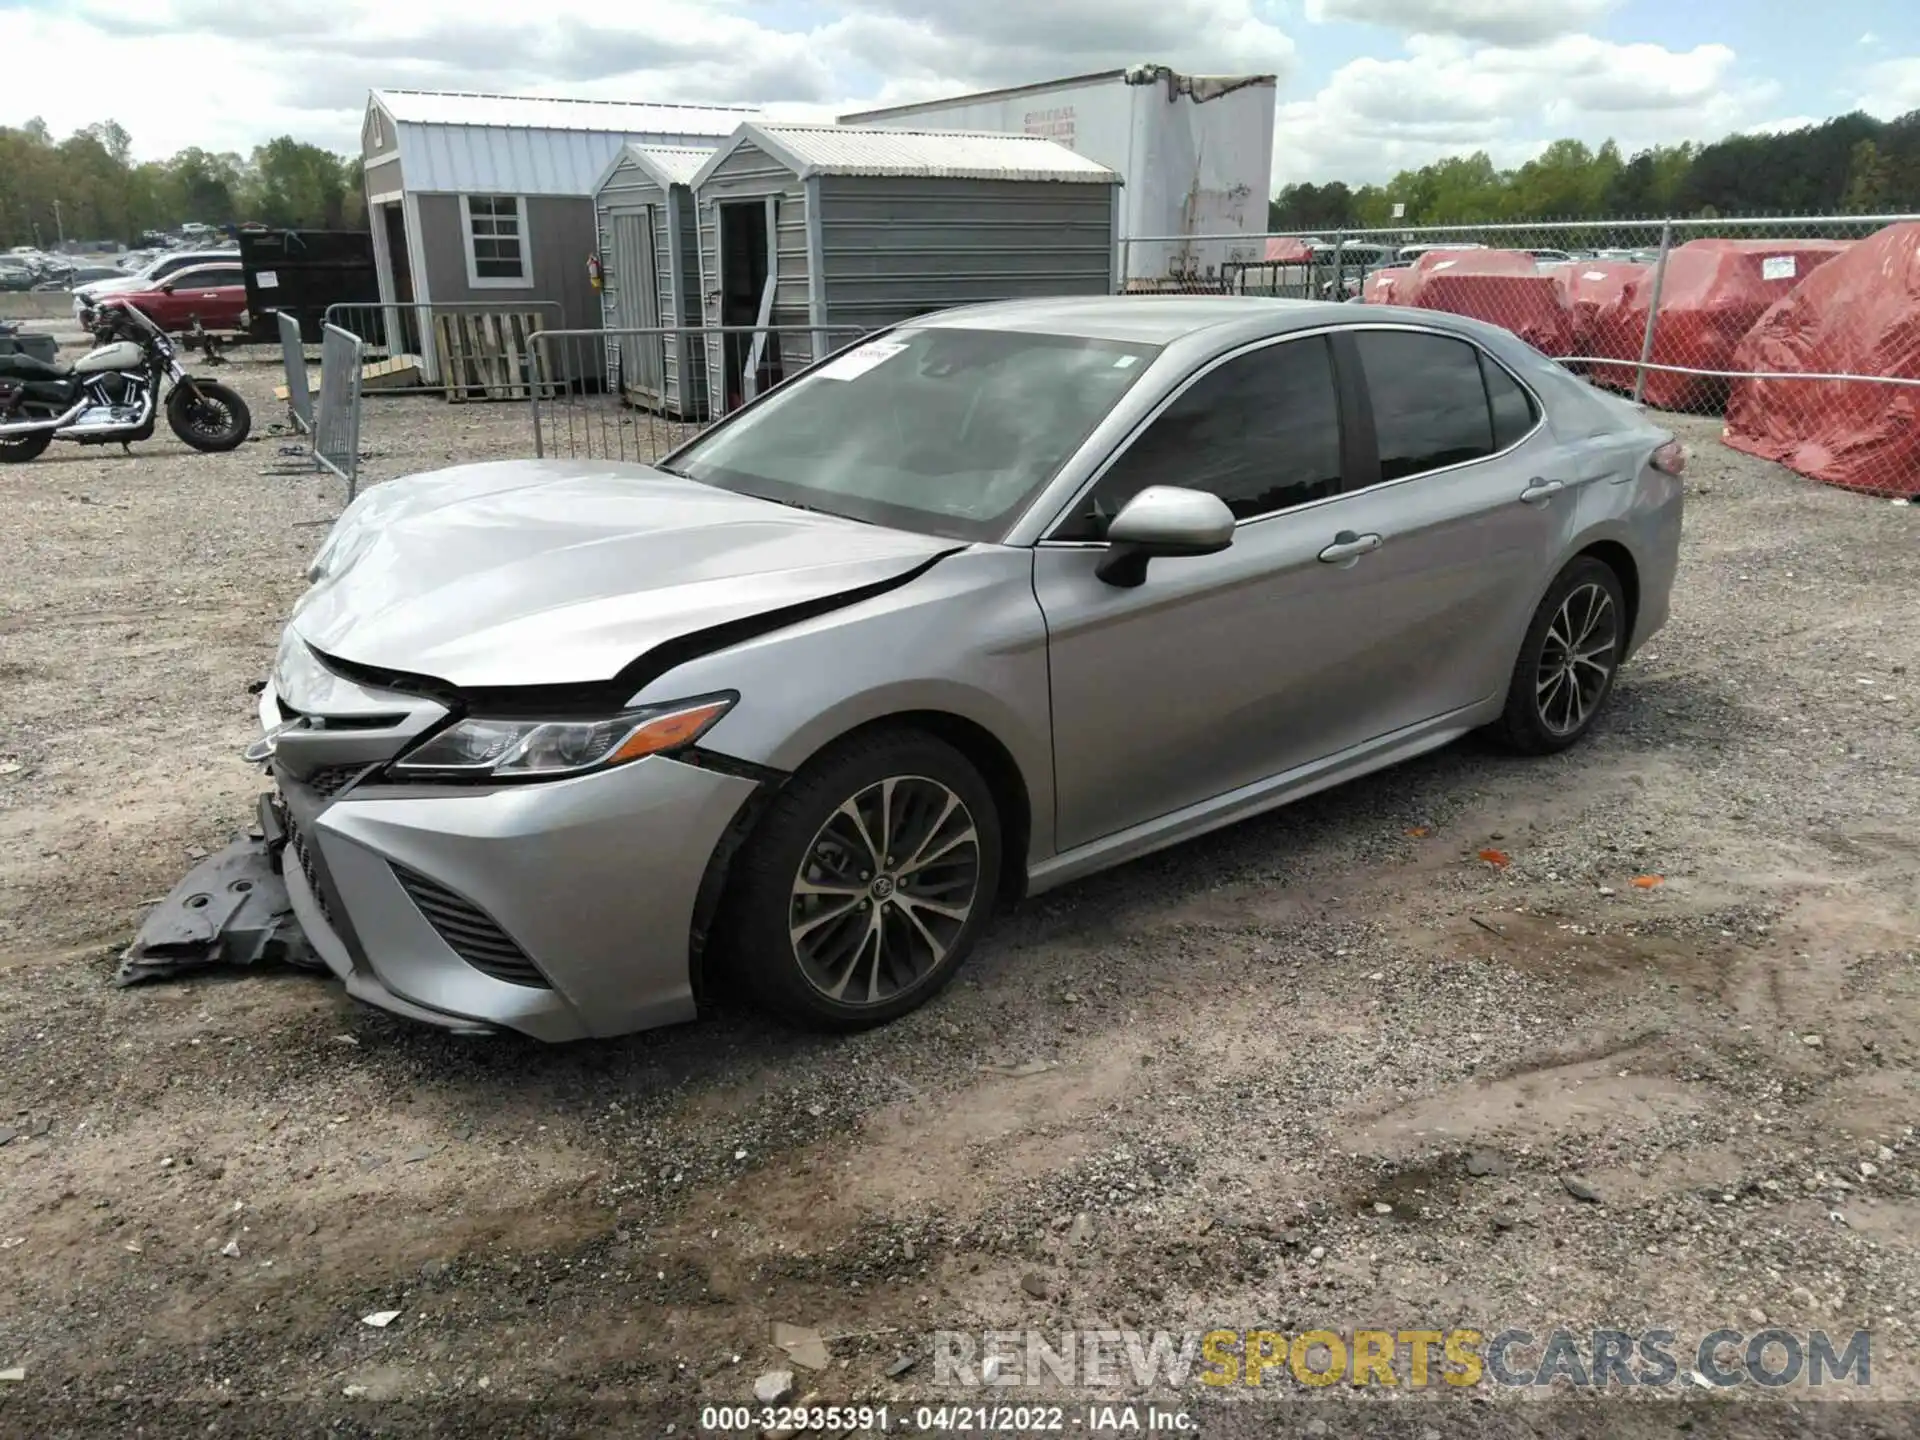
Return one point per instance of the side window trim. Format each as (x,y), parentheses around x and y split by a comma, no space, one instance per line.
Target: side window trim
(1359,446)
(1167,402)
(1347,375)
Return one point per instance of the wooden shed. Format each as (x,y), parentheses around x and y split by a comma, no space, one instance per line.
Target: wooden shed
(833,230)
(650,249)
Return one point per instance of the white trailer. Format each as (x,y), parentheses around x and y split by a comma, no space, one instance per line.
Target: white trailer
(1195,152)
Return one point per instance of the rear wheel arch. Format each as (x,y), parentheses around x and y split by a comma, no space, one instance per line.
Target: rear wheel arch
(1617,558)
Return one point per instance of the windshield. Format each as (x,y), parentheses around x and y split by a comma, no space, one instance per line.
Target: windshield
(943,431)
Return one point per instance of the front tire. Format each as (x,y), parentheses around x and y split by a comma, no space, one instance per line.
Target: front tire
(213,420)
(19,449)
(1568,661)
(866,884)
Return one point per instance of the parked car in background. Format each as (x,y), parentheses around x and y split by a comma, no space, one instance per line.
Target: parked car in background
(79,275)
(1551,257)
(1008,595)
(211,296)
(155,271)
(16,274)
(1407,254)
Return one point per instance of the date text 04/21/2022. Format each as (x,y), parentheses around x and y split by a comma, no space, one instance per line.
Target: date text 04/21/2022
(948,1419)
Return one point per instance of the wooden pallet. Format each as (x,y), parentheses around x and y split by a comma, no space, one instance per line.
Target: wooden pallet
(489,353)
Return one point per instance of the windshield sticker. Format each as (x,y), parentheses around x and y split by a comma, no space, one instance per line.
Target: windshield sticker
(1777,267)
(1125,361)
(856,363)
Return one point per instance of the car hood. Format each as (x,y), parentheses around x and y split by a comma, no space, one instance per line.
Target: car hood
(548,572)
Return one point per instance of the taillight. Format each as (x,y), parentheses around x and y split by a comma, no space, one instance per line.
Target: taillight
(1671,458)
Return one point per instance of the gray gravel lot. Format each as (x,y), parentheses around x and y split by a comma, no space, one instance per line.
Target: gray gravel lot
(1175,1096)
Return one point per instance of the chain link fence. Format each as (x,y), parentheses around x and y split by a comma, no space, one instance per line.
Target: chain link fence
(661,385)
(336,426)
(1731,317)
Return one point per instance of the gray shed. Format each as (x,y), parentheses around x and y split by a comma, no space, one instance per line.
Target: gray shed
(651,246)
(487,200)
(843,230)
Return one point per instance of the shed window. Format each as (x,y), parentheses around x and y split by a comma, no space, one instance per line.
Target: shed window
(496,241)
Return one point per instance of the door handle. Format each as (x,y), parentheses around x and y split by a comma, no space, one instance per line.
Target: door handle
(1349,546)
(1538,490)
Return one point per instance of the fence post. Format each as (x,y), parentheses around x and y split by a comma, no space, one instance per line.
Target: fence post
(538,344)
(1653,310)
(1339,264)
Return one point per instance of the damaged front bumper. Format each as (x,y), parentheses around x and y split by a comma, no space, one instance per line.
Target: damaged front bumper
(230,909)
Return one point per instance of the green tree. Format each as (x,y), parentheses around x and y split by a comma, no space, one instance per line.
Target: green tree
(1868,181)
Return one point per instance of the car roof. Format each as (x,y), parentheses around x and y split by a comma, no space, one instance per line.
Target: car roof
(1143,319)
(1216,320)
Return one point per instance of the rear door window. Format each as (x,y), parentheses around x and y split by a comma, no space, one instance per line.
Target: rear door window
(1514,412)
(1429,398)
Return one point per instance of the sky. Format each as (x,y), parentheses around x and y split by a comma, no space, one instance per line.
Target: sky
(1367,87)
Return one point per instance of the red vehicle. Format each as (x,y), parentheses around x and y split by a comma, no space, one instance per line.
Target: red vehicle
(214,295)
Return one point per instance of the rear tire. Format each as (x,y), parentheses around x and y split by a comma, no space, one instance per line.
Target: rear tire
(866,884)
(19,449)
(215,420)
(1568,662)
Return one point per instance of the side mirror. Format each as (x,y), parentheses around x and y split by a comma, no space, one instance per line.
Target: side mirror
(1163,521)
(166,287)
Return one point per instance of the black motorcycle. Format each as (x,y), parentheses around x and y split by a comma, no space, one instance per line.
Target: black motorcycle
(112,394)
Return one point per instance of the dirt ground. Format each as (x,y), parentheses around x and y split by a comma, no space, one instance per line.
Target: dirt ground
(1250,1083)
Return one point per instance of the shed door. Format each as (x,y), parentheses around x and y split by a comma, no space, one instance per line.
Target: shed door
(637,301)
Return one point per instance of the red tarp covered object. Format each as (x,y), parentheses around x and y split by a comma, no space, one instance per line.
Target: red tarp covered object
(1589,287)
(1379,286)
(1285,250)
(1502,287)
(1858,315)
(1713,292)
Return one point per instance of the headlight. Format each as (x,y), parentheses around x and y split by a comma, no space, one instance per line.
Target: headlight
(484,749)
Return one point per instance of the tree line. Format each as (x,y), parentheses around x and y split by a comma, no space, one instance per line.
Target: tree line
(1853,164)
(88,187)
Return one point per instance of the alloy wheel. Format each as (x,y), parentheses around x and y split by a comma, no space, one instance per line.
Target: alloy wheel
(1577,659)
(884,890)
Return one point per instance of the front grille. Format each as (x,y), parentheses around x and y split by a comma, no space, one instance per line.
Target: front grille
(303,856)
(330,780)
(469,932)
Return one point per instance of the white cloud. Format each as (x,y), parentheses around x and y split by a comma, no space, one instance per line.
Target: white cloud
(1444,95)
(304,66)
(1892,88)
(1499,22)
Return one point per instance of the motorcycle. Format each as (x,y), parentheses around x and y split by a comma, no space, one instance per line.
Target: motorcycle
(112,394)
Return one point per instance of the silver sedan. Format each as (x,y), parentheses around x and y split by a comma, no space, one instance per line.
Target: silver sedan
(1005,596)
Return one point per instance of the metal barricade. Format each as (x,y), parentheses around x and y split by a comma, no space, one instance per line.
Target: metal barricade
(661,384)
(478,348)
(293,359)
(336,432)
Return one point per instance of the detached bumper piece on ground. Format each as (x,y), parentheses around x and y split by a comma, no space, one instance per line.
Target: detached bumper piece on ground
(230,909)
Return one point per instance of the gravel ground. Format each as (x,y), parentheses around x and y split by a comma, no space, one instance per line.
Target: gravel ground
(1328,1069)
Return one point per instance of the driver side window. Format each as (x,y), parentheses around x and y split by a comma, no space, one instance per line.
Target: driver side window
(1261,431)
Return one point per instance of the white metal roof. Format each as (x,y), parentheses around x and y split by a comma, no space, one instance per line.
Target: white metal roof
(946,154)
(539,112)
(663,165)
(526,145)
